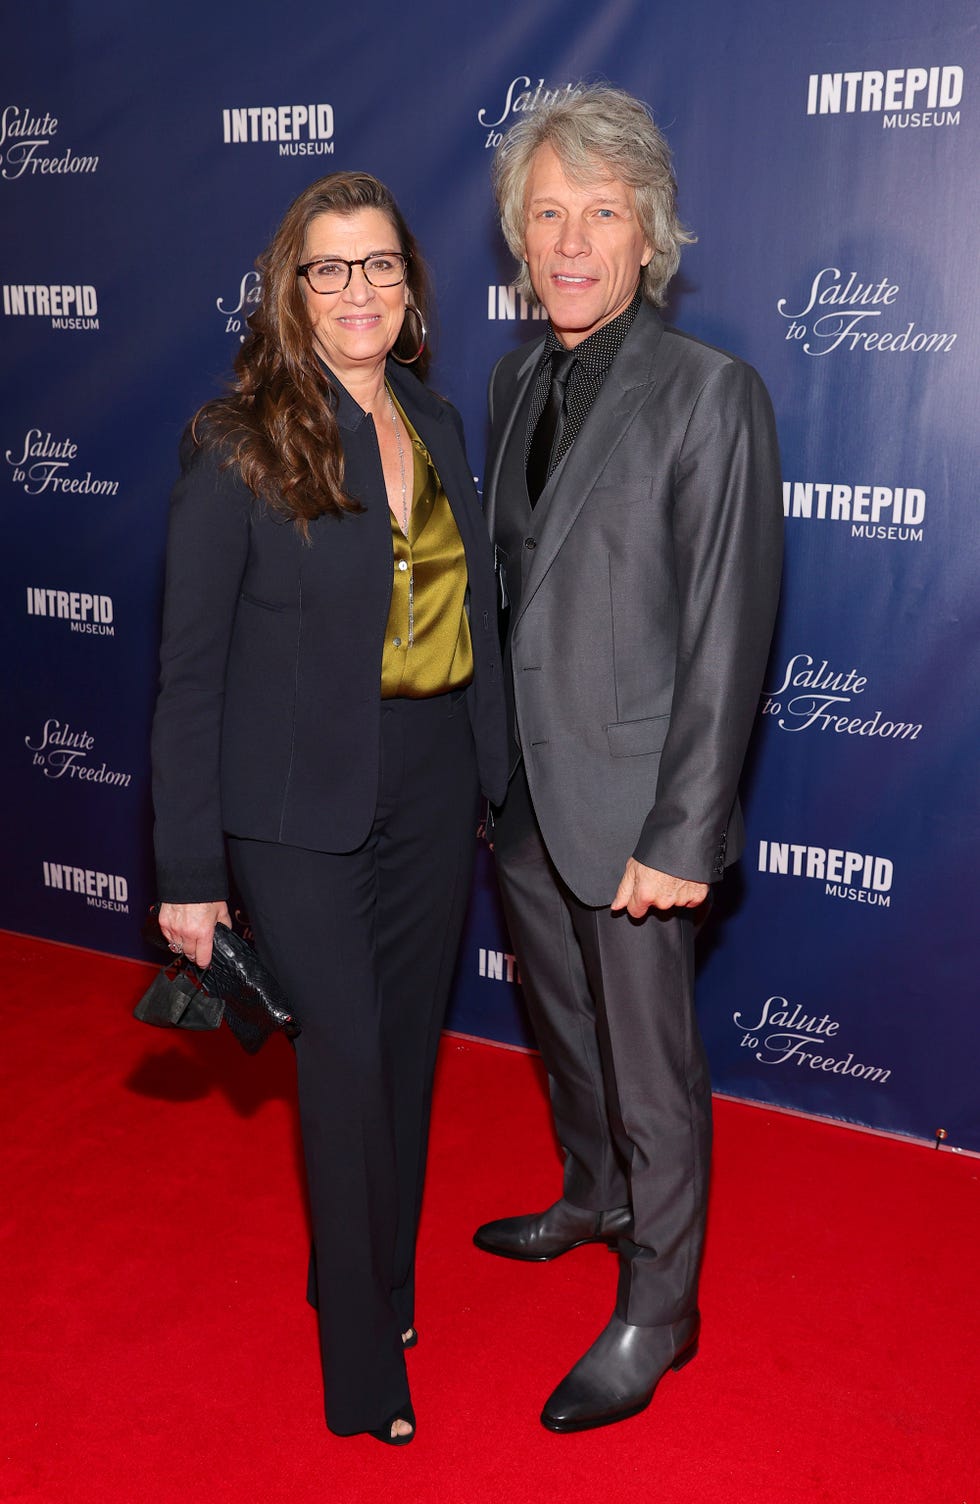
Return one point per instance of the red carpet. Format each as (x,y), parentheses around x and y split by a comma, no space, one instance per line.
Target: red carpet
(157,1346)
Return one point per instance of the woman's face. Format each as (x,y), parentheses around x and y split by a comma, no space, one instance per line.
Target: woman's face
(354,329)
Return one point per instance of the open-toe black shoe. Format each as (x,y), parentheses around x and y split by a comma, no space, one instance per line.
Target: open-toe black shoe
(412,1339)
(383,1433)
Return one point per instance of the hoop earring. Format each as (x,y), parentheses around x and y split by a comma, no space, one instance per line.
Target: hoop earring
(423,334)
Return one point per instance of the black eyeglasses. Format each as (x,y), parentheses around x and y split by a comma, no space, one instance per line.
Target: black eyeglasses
(333,273)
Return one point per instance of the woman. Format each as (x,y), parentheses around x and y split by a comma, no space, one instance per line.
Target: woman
(330,701)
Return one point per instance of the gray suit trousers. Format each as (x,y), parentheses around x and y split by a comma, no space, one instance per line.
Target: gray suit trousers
(612,1003)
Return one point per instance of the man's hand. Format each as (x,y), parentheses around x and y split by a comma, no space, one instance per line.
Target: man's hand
(190,927)
(642,888)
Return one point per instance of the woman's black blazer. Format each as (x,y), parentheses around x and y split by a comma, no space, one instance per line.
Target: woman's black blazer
(267,724)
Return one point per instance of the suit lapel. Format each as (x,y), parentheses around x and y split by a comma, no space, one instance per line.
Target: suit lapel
(431,421)
(434,426)
(621,395)
(515,404)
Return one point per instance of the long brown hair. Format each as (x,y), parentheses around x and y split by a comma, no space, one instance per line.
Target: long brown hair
(277,420)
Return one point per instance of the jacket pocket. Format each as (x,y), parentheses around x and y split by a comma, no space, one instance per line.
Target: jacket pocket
(254,600)
(637,738)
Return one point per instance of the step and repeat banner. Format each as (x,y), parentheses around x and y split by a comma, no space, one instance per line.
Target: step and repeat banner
(827,159)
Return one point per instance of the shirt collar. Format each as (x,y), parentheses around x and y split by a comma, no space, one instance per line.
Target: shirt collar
(597,353)
(349,414)
(411,393)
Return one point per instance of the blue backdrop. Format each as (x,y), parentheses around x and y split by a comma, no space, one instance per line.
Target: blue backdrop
(827,158)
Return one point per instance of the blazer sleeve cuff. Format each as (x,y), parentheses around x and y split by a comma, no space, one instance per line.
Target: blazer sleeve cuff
(198,881)
(667,853)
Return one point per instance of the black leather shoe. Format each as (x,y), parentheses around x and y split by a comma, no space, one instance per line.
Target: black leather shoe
(541,1236)
(617,1376)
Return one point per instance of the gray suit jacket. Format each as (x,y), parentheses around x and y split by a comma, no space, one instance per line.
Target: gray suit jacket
(649,595)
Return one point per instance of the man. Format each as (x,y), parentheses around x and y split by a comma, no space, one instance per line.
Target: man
(634,499)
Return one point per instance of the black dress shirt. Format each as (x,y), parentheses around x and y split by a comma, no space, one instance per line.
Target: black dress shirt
(593,357)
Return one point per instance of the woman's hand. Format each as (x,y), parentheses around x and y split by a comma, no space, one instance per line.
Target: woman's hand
(189,927)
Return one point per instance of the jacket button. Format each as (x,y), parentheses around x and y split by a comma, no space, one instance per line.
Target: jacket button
(529,543)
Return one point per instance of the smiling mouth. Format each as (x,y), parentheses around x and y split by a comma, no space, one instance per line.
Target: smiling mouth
(565,279)
(359,321)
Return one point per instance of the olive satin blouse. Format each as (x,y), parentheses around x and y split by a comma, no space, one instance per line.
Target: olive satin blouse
(427,649)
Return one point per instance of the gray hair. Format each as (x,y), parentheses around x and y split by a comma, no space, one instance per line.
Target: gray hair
(594,131)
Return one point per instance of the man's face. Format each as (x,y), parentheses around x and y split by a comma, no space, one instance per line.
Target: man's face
(583,246)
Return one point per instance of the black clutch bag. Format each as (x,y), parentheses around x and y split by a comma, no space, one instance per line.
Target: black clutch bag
(174,1000)
(235,986)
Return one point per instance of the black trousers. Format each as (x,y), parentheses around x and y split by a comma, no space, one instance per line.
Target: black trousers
(364,943)
(612,1003)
